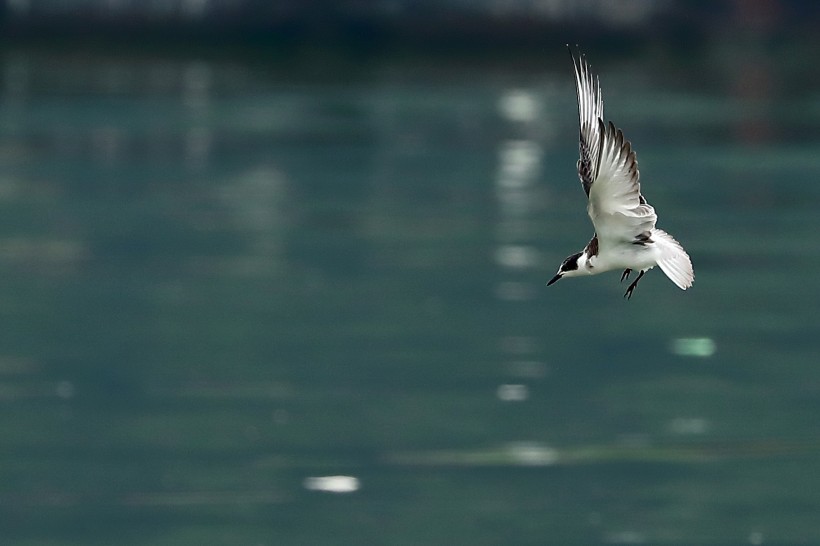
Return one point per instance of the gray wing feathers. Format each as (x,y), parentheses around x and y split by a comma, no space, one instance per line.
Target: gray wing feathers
(673,260)
(590,112)
(608,167)
(616,207)
(618,166)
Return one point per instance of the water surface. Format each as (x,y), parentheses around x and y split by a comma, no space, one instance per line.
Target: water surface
(225,281)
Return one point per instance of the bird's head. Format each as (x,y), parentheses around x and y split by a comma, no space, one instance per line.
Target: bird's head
(572,266)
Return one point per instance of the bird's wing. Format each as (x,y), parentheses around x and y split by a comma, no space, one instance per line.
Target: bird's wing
(607,166)
(590,110)
(616,206)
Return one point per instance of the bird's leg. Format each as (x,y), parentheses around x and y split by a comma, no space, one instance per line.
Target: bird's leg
(626,274)
(632,286)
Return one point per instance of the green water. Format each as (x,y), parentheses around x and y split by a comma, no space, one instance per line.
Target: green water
(221,279)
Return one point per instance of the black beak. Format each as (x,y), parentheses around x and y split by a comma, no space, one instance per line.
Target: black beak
(554,279)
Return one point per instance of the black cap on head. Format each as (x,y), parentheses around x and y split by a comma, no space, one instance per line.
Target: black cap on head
(570,263)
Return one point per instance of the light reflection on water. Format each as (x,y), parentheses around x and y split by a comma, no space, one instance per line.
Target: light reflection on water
(226,290)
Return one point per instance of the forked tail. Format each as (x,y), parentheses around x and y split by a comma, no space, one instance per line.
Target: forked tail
(673,260)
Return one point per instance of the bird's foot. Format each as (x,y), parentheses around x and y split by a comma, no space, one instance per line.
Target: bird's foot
(625,274)
(632,286)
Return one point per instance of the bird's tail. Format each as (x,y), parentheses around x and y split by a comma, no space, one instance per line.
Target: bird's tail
(673,260)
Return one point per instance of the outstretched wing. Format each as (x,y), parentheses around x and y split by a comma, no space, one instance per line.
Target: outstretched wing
(616,206)
(608,168)
(590,110)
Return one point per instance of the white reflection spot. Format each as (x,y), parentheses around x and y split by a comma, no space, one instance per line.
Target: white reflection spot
(689,425)
(520,163)
(531,454)
(694,346)
(516,256)
(515,291)
(518,105)
(513,393)
(332,484)
(756,537)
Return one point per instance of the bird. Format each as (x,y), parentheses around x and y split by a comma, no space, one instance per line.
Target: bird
(625,235)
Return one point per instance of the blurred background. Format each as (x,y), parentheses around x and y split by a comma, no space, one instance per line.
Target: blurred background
(274,273)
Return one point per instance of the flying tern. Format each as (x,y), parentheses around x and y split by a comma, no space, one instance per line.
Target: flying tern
(625,233)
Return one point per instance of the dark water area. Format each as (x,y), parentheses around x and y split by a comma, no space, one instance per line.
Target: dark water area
(253,304)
